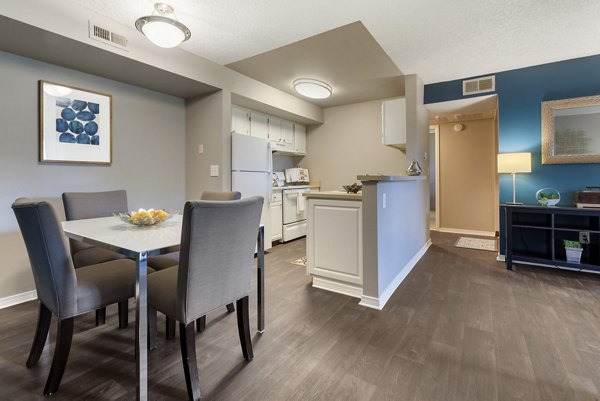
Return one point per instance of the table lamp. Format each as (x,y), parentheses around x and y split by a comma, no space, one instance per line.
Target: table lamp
(514,163)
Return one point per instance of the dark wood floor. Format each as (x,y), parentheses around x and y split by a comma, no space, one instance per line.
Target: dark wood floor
(460,328)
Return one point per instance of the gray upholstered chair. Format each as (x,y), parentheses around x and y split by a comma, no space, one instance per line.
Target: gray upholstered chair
(63,290)
(172,259)
(215,265)
(89,205)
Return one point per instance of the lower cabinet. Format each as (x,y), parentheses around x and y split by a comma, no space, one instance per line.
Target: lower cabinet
(334,245)
(276,221)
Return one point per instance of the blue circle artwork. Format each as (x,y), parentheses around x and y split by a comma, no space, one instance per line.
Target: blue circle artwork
(65,137)
(91,128)
(75,121)
(76,127)
(61,125)
(68,114)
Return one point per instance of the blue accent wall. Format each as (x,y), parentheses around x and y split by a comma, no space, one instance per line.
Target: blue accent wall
(520,94)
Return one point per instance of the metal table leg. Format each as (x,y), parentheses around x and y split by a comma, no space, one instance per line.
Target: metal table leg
(260,271)
(141,326)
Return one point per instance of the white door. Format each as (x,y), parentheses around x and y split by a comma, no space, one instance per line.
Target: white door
(259,125)
(240,120)
(300,138)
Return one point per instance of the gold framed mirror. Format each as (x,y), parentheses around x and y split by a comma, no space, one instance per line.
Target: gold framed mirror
(571,130)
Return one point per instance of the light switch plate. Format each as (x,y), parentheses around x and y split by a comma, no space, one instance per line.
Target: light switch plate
(214,170)
(200,148)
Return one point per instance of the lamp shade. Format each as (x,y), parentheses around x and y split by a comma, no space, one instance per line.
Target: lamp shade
(514,162)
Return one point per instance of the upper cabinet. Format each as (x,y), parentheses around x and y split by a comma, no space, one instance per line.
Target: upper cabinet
(240,120)
(393,123)
(259,125)
(285,136)
(300,139)
(281,135)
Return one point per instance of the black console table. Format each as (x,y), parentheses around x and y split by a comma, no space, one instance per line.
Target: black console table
(535,234)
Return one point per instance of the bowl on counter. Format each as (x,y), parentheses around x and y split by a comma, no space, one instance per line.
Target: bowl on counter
(353,188)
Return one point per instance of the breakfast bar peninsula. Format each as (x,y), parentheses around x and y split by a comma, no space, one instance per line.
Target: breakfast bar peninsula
(363,245)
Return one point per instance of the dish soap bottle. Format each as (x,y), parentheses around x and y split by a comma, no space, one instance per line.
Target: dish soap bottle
(414,168)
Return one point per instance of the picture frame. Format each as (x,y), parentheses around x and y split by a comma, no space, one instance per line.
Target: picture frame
(571,130)
(75,125)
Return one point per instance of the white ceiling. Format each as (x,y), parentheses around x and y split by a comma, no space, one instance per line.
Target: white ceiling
(439,40)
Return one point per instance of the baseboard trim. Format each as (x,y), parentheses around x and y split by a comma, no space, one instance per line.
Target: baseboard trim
(467,232)
(336,286)
(17,299)
(379,303)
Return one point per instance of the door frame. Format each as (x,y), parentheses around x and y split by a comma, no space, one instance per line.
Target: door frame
(435,129)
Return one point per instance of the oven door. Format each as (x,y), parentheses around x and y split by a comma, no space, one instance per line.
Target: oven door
(294,205)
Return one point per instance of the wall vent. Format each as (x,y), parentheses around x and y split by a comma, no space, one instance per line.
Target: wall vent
(104,35)
(479,85)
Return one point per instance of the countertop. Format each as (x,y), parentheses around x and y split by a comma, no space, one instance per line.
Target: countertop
(294,187)
(335,195)
(368,177)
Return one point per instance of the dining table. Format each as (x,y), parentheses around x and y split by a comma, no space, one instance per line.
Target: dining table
(140,243)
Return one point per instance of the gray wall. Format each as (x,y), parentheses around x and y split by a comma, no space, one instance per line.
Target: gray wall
(349,144)
(148,153)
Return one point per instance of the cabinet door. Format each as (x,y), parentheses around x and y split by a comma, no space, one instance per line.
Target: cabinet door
(275,133)
(240,120)
(300,138)
(259,125)
(287,134)
(394,122)
(276,222)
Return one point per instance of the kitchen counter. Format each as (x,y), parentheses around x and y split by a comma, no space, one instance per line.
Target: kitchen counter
(378,177)
(336,195)
(364,245)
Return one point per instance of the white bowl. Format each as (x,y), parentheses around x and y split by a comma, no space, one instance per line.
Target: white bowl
(548,196)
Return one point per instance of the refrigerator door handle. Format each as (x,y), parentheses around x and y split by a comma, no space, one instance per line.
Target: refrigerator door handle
(270,158)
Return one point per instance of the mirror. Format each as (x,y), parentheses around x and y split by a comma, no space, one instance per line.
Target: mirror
(571,130)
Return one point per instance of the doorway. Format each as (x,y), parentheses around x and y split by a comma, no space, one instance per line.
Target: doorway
(463,175)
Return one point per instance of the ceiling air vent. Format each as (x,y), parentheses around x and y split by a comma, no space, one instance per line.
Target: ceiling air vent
(105,36)
(479,85)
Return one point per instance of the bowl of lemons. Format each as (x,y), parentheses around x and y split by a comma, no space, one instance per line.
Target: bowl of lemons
(145,217)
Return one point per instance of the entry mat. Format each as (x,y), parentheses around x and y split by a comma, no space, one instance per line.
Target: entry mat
(300,262)
(476,243)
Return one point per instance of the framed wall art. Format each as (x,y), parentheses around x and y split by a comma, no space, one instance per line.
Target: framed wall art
(75,125)
(571,130)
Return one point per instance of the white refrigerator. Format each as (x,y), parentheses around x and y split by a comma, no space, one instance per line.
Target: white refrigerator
(251,168)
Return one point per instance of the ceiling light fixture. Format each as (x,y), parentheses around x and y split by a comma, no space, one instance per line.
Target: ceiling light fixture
(163,29)
(313,88)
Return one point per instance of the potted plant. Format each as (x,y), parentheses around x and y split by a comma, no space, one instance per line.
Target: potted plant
(573,250)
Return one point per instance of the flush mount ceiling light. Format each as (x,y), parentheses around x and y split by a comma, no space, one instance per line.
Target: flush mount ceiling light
(312,88)
(163,29)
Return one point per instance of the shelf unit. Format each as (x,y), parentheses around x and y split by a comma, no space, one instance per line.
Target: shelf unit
(534,234)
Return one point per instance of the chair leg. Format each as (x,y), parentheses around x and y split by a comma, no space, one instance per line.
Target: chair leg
(243,322)
(123,314)
(152,329)
(61,354)
(201,323)
(41,334)
(230,308)
(170,329)
(100,316)
(187,340)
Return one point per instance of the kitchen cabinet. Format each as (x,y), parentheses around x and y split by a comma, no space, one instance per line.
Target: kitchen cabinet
(300,139)
(259,125)
(240,120)
(334,242)
(281,134)
(393,123)
(276,216)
